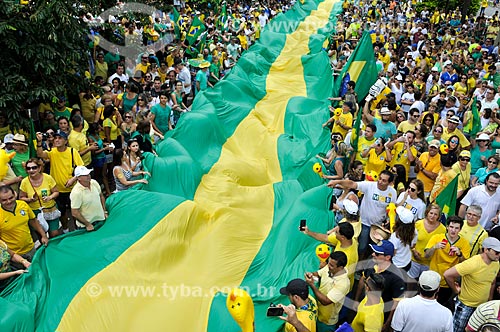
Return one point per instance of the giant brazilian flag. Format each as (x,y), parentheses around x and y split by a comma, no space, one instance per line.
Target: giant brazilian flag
(221,209)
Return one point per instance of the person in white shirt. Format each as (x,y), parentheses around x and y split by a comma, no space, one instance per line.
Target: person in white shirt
(423,312)
(120,73)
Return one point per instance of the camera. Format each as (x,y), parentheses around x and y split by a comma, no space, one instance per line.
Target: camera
(274,311)
(45,136)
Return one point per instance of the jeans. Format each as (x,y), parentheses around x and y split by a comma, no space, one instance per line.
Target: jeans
(363,239)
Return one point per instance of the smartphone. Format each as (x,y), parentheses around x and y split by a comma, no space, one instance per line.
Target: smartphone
(274,311)
(302,226)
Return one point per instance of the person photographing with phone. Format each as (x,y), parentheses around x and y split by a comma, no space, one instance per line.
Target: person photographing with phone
(333,287)
(303,310)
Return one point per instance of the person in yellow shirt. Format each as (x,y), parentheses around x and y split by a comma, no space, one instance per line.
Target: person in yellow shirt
(403,152)
(78,141)
(478,274)
(379,155)
(306,308)
(343,122)
(472,230)
(333,288)
(463,169)
(446,251)
(452,130)
(365,141)
(370,312)
(445,176)
(15,216)
(385,58)
(428,165)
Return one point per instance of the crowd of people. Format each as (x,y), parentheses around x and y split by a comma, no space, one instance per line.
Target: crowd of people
(417,136)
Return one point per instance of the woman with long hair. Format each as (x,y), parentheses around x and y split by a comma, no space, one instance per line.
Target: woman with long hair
(437,133)
(413,199)
(399,172)
(122,172)
(39,190)
(454,147)
(141,109)
(20,145)
(111,124)
(426,228)
(128,126)
(134,155)
(178,106)
(63,124)
(403,238)
(336,167)
(481,174)
(420,143)
(428,122)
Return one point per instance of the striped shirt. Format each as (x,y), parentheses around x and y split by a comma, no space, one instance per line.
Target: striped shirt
(487,312)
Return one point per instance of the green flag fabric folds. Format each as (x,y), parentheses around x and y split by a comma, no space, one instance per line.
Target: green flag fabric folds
(448,197)
(221,209)
(361,68)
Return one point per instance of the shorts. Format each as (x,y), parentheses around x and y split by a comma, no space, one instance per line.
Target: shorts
(99,163)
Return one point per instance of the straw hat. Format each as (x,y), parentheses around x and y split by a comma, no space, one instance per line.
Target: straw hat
(20,139)
(379,233)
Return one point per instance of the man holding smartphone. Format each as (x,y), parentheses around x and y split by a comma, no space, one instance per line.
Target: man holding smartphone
(306,309)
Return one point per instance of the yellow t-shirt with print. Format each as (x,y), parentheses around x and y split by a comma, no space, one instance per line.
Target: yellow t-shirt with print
(306,316)
(441,260)
(376,162)
(346,120)
(363,144)
(42,190)
(476,280)
(14,229)
(400,156)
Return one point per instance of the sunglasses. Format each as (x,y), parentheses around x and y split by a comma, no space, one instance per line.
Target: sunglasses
(454,141)
(492,162)
(32,168)
(438,131)
(449,115)
(412,189)
(140,99)
(465,159)
(128,117)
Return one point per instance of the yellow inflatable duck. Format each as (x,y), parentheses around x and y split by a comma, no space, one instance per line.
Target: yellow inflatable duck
(5,158)
(371,176)
(318,169)
(391,213)
(443,149)
(323,252)
(240,306)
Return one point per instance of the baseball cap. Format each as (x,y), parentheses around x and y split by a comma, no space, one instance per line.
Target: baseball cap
(454,119)
(491,243)
(405,215)
(61,134)
(450,87)
(82,170)
(435,143)
(385,111)
(350,206)
(429,280)
(296,287)
(434,69)
(385,247)
(390,94)
(465,153)
(483,137)
(447,62)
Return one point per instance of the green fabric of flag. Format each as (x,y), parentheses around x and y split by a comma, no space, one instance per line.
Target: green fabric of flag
(360,68)
(177,24)
(448,197)
(195,31)
(476,121)
(222,23)
(32,140)
(355,133)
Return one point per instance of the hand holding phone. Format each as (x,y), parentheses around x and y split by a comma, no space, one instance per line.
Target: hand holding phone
(302,226)
(274,311)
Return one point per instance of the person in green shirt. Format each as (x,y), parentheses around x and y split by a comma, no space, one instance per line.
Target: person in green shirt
(201,77)
(160,114)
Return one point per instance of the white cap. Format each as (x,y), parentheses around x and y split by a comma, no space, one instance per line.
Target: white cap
(405,215)
(82,170)
(350,206)
(491,243)
(429,280)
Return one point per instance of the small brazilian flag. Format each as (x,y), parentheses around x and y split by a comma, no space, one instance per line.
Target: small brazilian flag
(360,68)
(447,198)
(195,31)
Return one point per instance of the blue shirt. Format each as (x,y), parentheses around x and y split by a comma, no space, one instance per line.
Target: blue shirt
(384,130)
